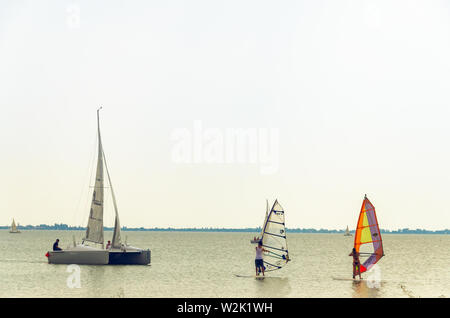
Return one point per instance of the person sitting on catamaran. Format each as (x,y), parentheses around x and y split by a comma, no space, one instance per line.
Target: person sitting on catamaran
(108,246)
(356,263)
(55,246)
(259,263)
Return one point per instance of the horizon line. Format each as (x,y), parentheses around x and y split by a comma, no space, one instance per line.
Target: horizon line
(63,227)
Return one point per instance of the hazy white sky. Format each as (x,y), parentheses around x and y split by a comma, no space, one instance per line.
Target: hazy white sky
(358,92)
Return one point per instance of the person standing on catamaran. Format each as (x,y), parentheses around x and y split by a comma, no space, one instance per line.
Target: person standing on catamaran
(259,263)
(356,263)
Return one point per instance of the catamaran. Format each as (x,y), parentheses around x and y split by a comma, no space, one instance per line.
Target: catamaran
(368,241)
(274,239)
(14,228)
(91,251)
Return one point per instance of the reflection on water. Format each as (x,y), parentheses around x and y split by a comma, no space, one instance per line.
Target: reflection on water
(95,279)
(272,287)
(204,265)
(363,289)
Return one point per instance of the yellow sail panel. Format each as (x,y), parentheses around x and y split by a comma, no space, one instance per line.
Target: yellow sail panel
(366,236)
(365,220)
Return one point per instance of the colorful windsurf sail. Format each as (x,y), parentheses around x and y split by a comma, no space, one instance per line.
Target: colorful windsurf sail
(368,237)
(274,239)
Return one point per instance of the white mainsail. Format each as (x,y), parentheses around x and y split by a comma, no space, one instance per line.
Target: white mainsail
(94,231)
(274,239)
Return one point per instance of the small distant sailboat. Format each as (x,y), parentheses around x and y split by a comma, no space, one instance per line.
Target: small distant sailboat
(14,228)
(347,232)
(91,251)
(368,242)
(274,239)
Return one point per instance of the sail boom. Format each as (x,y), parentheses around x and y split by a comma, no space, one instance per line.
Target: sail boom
(276,222)
(278,249)
(275,235)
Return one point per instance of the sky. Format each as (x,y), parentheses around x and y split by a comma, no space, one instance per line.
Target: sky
(330,100)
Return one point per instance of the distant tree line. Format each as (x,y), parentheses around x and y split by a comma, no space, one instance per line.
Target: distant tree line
(64,227)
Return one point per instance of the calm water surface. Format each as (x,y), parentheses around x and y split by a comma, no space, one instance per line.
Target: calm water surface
(203,265)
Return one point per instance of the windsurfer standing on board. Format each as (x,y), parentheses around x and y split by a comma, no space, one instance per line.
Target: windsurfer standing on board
(259,263)
(356,263)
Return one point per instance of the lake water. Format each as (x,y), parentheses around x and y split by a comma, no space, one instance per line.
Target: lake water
(200,264)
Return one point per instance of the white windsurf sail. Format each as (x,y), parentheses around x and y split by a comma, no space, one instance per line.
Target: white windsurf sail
(274,239)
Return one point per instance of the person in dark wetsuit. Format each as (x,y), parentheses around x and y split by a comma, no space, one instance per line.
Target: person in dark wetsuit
(55,246)
(356,263)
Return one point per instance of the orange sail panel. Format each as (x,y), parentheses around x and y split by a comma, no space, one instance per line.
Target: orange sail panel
(367,237)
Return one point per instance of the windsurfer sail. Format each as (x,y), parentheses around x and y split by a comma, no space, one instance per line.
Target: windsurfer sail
(274,239)
(368,241)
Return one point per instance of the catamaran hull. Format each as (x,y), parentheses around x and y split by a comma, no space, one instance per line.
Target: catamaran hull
(141,257)
(100,257)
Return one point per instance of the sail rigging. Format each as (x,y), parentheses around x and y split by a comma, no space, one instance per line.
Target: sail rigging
(368,240)
(274,239)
